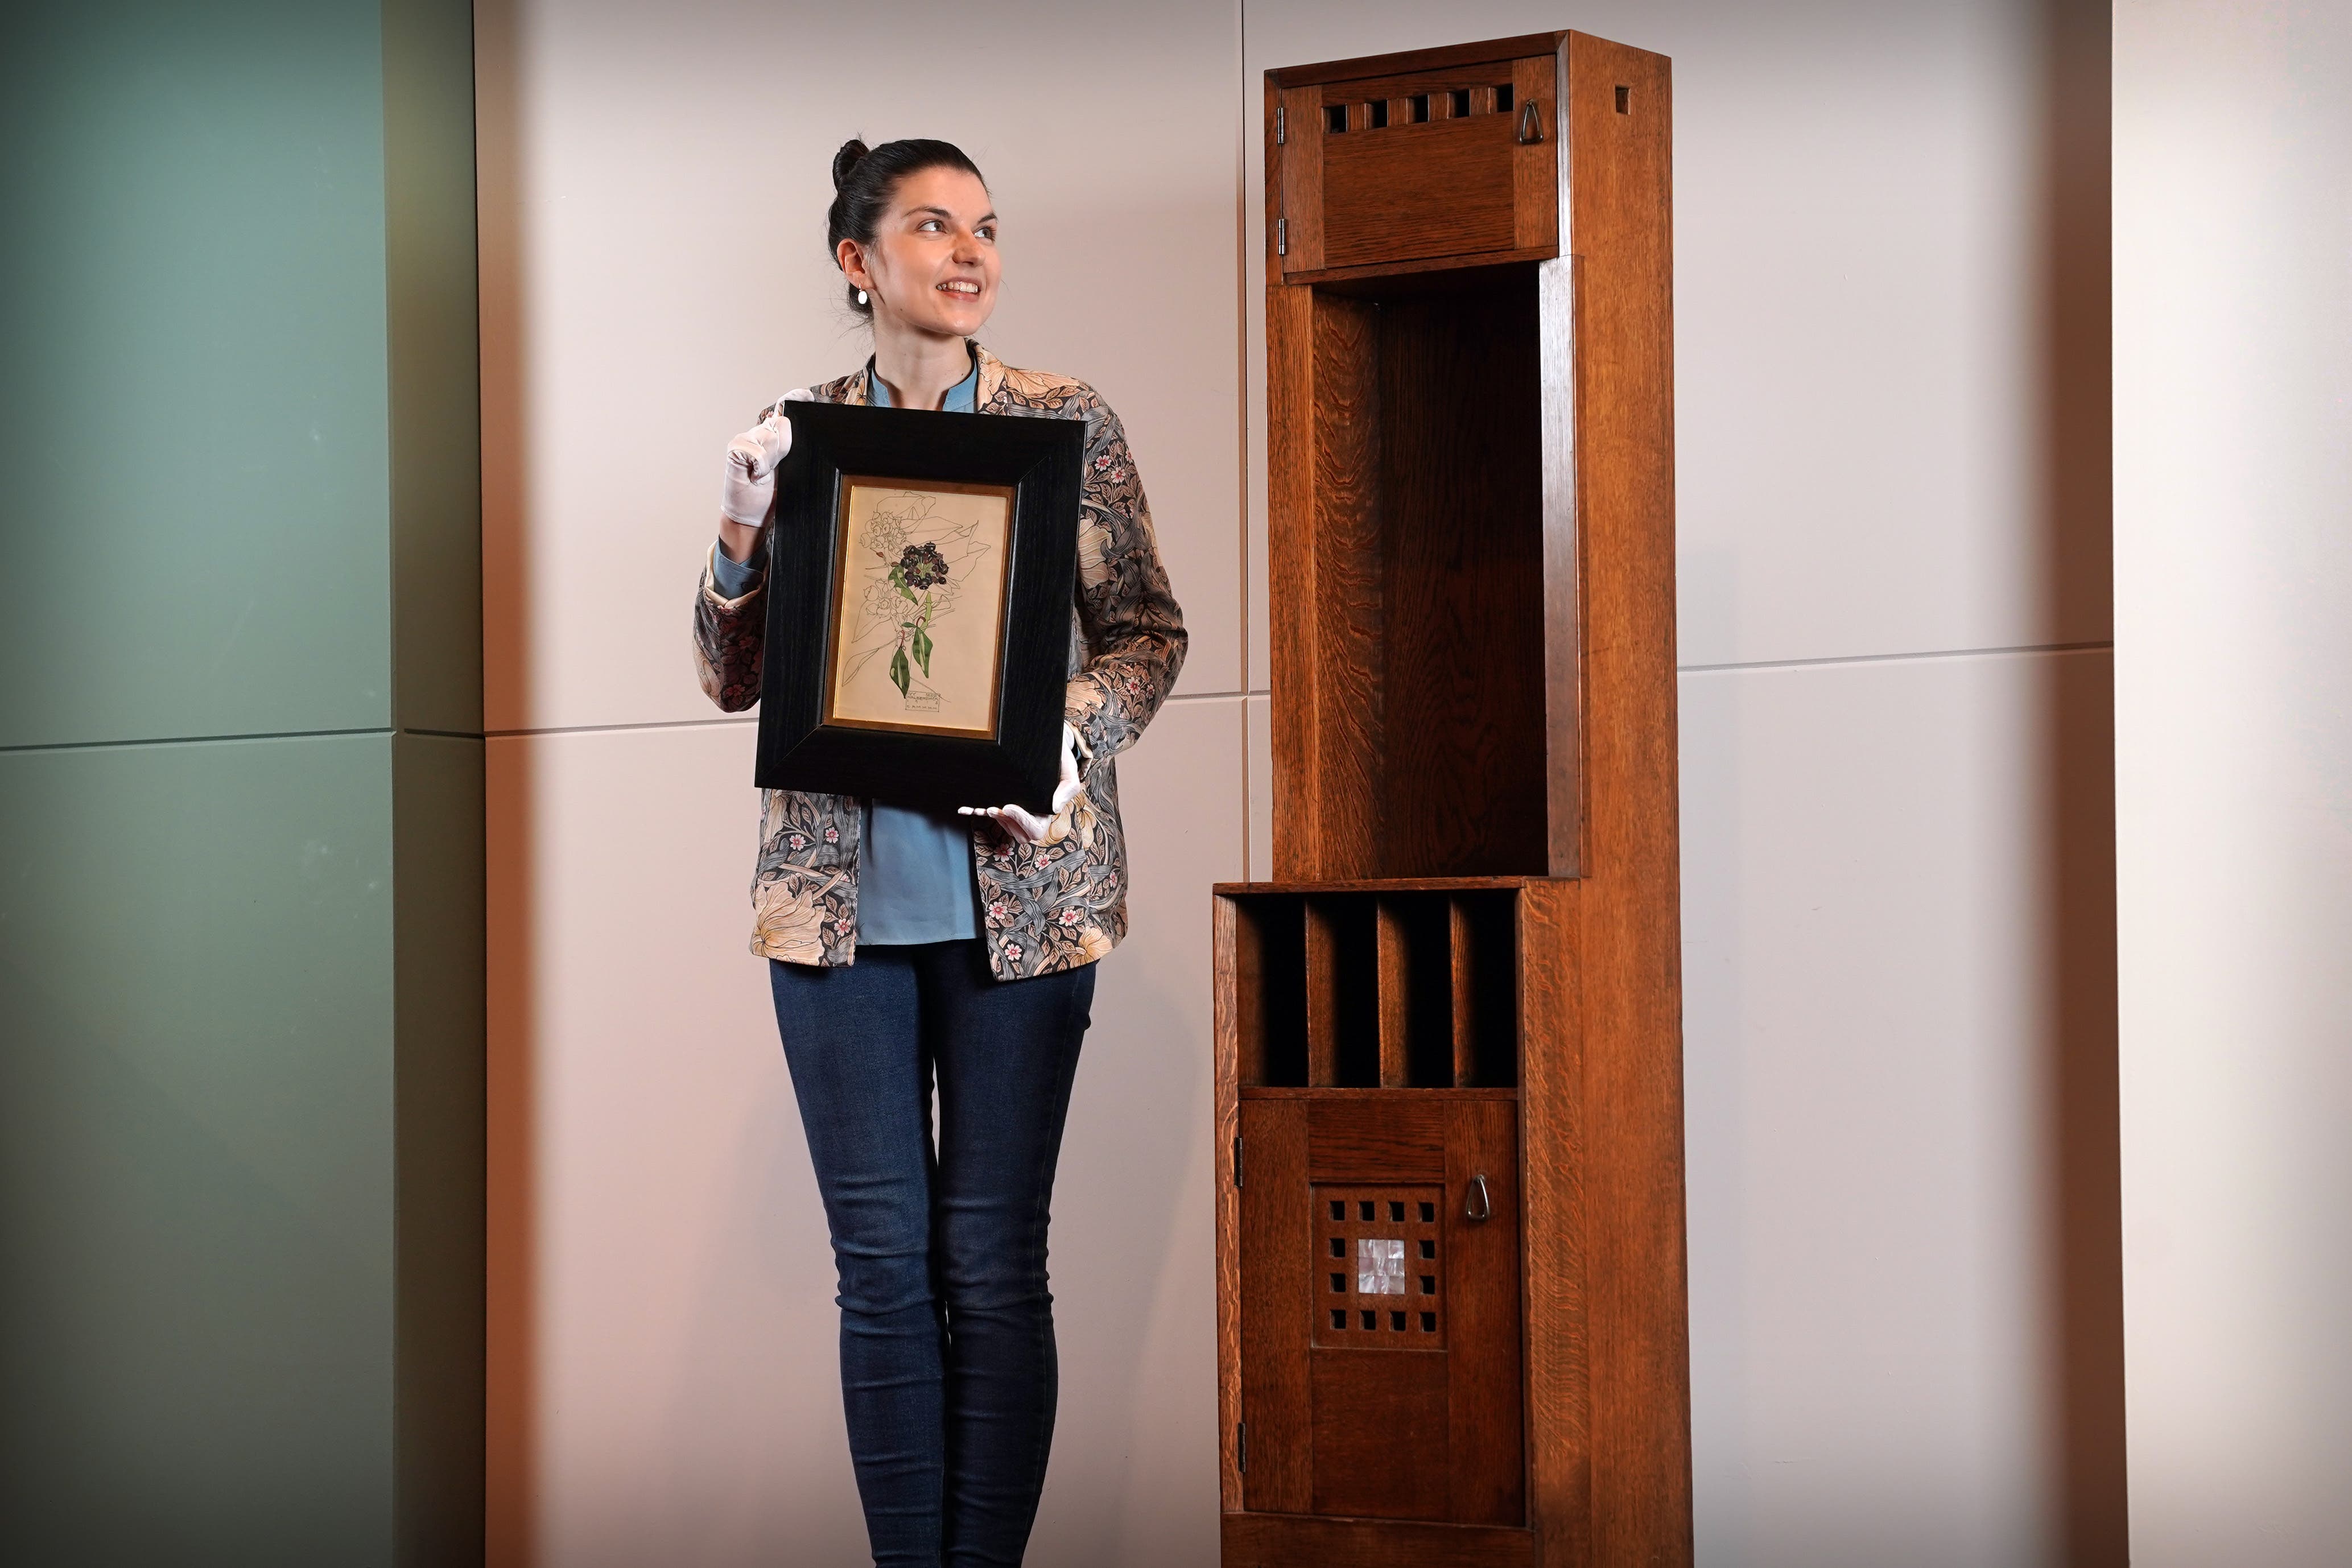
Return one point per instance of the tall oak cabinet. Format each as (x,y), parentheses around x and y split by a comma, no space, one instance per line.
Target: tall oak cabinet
(1450,1252)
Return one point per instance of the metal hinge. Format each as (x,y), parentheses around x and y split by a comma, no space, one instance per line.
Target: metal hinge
(1281,237)
(1237,1159)
(1241,1446)
(1279,137)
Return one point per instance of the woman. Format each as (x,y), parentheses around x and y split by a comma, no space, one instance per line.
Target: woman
(906,946)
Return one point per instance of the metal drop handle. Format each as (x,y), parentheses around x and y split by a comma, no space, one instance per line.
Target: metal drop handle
(1479,1206)
(1530,123)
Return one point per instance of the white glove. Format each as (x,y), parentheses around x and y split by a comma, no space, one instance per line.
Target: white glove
(752,459)
(1026,826)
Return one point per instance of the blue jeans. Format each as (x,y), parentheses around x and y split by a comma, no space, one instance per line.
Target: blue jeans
(947,1374)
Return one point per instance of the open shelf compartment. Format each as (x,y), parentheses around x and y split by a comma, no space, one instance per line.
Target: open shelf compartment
(1395,987)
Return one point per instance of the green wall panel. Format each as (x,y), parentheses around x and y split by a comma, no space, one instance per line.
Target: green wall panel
(194,399)
(241,989)
(197,1180)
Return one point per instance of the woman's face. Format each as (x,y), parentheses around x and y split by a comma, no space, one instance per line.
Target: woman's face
(932,265)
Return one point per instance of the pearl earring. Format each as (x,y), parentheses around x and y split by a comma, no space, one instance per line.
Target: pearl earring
(861,296)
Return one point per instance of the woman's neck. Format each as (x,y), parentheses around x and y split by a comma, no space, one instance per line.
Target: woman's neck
(918,367)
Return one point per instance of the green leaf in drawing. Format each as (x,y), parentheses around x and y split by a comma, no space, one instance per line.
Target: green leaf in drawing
(898,581)
(923,650)
(899,674)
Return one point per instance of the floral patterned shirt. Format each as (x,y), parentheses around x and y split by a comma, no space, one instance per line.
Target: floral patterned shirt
(1044,907)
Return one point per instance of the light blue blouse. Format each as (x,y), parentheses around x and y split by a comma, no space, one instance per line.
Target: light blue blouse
(915,881)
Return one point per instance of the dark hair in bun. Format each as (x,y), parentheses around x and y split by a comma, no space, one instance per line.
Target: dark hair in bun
(864,181)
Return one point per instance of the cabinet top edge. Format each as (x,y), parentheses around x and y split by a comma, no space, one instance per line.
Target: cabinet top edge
(1383,885)
(1408,60)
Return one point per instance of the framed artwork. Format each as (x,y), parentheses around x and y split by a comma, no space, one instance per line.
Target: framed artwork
(920,576)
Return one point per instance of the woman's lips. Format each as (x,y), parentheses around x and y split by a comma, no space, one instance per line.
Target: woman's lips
(962,286)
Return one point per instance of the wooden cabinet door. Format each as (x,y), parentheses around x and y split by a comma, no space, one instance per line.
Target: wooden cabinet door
(1454,162)
(1379,1314)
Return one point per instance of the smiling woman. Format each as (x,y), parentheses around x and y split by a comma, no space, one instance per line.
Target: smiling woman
(913,949)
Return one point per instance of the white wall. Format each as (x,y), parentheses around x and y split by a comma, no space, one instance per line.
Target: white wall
(2233,712)
(1895,667)
(654,185)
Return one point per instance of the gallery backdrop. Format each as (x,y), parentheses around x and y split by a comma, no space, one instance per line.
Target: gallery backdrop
(1891,310)
(242,877)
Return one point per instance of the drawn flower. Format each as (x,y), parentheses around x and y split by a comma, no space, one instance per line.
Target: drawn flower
(922,566)
(833,835)
(796,840)
(1012,952)
(1069,916)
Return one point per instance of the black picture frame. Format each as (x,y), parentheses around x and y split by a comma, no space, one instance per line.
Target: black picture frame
(817,594)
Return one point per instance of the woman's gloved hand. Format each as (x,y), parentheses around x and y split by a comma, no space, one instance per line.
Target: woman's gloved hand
(1026,826)
(750,486)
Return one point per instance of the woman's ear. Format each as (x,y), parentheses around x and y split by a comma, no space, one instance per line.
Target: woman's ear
(851,258)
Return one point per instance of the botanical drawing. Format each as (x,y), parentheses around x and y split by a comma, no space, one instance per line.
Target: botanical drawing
(922,594)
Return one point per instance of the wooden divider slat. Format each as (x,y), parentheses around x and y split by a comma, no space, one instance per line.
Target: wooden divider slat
(1322,998)
(1458,940)
(1394,981)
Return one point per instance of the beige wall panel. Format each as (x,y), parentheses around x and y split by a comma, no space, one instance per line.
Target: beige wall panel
(2233,768)
(1861,263)
(662,1290)
(1876,1041)
(653,188)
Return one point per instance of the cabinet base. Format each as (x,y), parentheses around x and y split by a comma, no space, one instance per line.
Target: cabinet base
(1302,1541)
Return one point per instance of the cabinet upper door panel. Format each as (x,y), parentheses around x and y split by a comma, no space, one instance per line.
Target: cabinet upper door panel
(1459,162)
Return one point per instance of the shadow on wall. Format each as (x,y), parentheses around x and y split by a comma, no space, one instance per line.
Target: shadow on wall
(513,1393)
(2076,495)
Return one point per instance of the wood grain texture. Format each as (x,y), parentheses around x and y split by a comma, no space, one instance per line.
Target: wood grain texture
(1395,981)
(1371,1137)
(1295,699)
(1234,985)
(1380,1433)
(1371,884)
(1535,165)
(1441,189)
(1397,1095)
(1563,570)
(1628,936)
(1410,62)
(1458,960)
(1558,970)
(1551,1165)
(1322,998)
(1487,1438)
(1275,1298)
(1460,759)
(1277,1540)
(1343,583)
(1387,277)
(1294,183)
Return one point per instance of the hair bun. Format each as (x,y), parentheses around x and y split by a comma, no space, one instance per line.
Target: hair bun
(853,152)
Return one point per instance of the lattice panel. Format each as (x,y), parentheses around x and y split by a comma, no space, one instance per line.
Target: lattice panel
(1380,1268)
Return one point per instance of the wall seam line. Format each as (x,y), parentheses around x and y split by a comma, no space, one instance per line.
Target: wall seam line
(191,739)
(1897,658)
